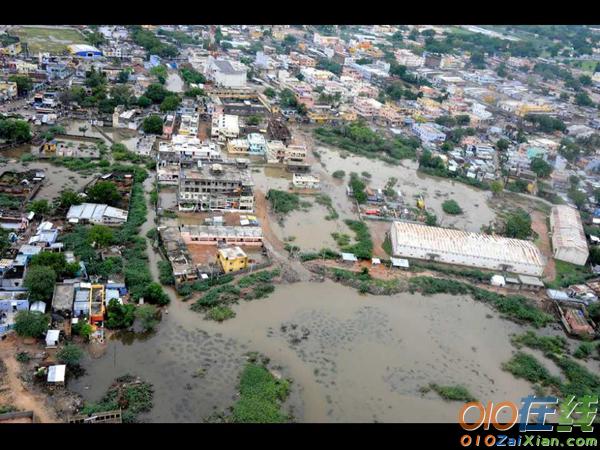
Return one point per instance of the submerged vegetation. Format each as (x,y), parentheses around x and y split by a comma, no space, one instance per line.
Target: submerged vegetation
(217,299)
(515,307)
(457,393)
(261,396)
(130,394)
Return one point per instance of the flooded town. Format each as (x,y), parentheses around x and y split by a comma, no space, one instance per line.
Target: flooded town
(297,223)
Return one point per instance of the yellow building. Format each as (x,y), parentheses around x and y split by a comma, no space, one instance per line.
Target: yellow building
(319,117)
(232,259)
(527,108)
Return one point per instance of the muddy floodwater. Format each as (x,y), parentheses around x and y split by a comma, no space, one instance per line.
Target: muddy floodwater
(124,136)
(411,183)
(57,178)
(351,357)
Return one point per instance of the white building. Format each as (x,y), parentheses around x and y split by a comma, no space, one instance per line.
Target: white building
(568,238)
(225,126)
(225,73)
(428,132)
(449,246)
(305,181)
(190,147)
(96,213)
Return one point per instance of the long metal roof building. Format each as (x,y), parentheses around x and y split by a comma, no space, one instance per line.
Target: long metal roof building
(568,238)
(465,248)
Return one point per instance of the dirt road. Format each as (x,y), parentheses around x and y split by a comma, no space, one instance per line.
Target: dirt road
(539,225)
(17,394)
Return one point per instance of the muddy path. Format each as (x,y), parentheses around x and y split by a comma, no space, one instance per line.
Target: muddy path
(17,394)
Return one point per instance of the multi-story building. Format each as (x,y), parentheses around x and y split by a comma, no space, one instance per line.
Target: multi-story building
(275,152)
(220,187)
(232,259)
(238,146)
(300,59)
(428,132)
(257,144)
(225,73)
(189,124)
(367,107)
(407,58)
(225,126)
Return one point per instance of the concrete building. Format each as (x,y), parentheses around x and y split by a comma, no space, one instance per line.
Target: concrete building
(216,234)
(220,187)
(225,126)
(84,51)
(257,144)
(232,259)
(418,241)
(428,132)
(186,149)
(238,146)
(305,181)
(568,238)
(225,73)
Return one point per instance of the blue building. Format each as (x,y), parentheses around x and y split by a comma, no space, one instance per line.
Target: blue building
(84,51)
(257,144)
(11,302)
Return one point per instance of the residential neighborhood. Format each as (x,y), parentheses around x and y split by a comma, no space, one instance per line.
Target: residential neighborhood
(378,221)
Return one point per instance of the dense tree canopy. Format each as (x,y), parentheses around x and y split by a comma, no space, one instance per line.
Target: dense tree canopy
(153,124)
(39,280)
(104,192)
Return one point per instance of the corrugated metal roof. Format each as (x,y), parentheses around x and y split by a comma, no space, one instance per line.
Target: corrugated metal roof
(463,243)
(567,229)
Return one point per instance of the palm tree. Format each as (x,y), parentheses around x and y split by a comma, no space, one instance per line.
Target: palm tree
(83,129)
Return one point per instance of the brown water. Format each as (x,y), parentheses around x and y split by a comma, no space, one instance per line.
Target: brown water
(122,135)
(435,190)
(364,357)
(17,152)
(57,178)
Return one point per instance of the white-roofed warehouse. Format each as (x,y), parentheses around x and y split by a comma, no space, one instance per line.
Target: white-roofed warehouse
(484,251)
(568,238)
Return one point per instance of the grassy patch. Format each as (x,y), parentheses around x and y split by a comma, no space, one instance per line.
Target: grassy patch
(522,365)
(550,345)
(359,139)
(324,253)
(364,245)
(387,245)
(283,202)
(451,207)
(261,395)
(165,273)
(457,393)
(220,313)
(585,350)
(568,274)
(5,409)
(49,39)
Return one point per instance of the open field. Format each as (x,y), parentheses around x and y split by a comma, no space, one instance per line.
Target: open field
(46,39)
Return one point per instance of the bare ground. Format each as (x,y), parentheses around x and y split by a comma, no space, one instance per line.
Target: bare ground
(17,393)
